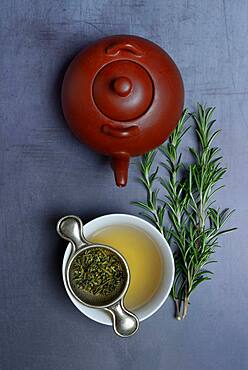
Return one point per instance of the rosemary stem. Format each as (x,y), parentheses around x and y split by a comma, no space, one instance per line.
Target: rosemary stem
(154,208)
(185,306)
(177,305)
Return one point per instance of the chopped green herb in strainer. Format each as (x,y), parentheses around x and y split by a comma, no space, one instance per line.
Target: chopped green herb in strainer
(97,271)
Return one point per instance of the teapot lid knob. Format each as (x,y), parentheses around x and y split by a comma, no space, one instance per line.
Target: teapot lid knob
(122,86)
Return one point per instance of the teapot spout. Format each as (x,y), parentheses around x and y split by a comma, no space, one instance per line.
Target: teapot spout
(120,163)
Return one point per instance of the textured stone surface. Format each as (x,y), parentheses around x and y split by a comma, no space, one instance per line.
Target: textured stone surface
(46,173)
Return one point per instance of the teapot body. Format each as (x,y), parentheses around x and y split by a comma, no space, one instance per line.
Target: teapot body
(123,96)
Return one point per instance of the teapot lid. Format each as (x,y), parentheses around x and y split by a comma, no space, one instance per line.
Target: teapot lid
(123,90)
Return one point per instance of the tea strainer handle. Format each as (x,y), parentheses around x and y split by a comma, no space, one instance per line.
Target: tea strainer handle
(125,323)
(71,228)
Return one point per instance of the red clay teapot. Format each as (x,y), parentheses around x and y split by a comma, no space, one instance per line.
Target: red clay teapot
(123,96)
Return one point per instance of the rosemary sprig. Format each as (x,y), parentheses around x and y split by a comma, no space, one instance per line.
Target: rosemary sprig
(195,224)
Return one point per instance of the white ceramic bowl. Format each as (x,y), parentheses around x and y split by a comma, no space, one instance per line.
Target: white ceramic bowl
(149,308)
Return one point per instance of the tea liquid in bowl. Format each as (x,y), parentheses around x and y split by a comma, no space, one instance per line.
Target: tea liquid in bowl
(142,256)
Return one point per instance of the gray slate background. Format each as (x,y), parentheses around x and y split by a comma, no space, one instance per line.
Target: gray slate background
(46,173)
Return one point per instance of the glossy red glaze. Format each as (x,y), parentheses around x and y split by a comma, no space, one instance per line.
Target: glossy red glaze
(123,96)
(128,90)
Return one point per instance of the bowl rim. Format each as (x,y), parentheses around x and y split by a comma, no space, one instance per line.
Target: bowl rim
(153,231)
